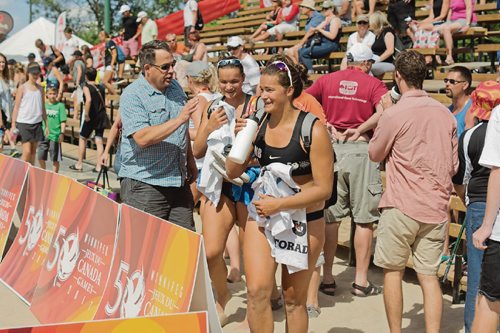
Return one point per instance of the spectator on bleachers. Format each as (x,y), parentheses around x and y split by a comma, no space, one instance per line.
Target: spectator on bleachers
(474,177)
(417,138)
(5,98)
(343,11)
(461,17)
(190,14)
(94,119)
(198,50)
(49,50)
(157,164)
(53,76)
(314,18)
(350,97)
(236,46)
(424,36)
(398,11)
(131,32)
(361,36)
(70,45)
(110,55)
(458,84)
(87,56)
(178,49)
(271,19)
(288,21)
(364,7)
(384,43)
(149,29)
(325,40)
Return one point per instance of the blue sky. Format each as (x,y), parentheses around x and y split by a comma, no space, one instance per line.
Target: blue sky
(19,9)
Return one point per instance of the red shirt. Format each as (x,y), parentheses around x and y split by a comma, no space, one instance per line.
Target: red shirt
(348,96)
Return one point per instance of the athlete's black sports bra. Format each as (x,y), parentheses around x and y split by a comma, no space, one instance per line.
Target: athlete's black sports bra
(293,154)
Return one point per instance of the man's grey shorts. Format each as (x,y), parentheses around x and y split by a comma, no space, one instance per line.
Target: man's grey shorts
(174,204)
(359,186)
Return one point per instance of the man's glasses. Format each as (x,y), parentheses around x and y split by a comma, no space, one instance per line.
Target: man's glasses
(452,81)
(165,67)
(362,23)
(229,62)
(282,67)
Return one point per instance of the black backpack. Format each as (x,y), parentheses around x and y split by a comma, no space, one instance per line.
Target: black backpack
(199,21)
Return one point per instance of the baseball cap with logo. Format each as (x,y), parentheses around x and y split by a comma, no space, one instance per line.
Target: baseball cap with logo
(235,41)
(124,8)
(141,15)
(362,18)
(308,4)
(360,52)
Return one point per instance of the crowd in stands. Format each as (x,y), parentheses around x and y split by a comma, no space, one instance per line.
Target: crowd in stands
(315,157)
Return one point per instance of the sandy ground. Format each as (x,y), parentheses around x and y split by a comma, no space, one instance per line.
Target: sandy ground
(342,313)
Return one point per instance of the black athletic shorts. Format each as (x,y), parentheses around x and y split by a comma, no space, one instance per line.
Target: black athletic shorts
(397,12)
(30,132)
(86,129)
(489,286)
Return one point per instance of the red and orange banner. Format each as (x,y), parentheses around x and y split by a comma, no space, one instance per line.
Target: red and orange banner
(12,181)
(195,322)
(45,199)
(77,267)
(153,270)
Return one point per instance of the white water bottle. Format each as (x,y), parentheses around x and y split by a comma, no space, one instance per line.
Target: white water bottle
(395,94)
(243,142)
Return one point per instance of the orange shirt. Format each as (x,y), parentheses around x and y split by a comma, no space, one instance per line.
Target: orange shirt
(306,102)
(181,48)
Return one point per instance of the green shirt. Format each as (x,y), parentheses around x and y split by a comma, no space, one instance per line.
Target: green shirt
(56,114)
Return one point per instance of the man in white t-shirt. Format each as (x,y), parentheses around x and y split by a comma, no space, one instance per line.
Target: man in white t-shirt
(149,29)
(488,302)
(236,46)
(190,15)
(70,45)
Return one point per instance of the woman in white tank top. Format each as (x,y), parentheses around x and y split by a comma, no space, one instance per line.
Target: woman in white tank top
(29,111)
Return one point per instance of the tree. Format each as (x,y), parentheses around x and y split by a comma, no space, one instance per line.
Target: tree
(86,17)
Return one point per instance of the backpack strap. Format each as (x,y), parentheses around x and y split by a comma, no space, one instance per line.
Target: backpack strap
(306,130)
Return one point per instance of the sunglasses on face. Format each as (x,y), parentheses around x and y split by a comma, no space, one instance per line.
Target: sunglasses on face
(282,67)
(165,67)
(232,48)
(452,81)
(362,23)
(229,62)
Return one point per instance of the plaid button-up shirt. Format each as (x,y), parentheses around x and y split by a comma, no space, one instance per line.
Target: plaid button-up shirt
(141,106)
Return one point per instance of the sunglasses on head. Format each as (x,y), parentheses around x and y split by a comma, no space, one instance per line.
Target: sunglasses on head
(282,67)
(452,81)
(165,67)
(229,62)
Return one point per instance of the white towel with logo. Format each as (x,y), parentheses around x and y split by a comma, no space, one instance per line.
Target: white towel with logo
(286,231)
(210,183)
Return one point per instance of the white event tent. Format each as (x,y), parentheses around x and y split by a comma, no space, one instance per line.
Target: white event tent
(19,45)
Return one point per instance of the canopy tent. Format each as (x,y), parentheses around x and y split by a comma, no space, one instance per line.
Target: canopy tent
(19,45)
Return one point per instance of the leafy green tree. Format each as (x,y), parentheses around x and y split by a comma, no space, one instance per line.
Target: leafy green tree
(86,17)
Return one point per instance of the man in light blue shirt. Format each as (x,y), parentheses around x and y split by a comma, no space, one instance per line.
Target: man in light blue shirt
(157,163)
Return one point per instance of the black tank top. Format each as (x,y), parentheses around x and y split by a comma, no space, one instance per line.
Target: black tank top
(293,154)
(436,7)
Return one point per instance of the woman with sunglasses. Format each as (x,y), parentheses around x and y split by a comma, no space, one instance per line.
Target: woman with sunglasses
(361,36)
(279,141)
(218,219)
(326,40)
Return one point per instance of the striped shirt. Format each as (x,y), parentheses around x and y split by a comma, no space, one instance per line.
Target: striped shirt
(141,106)
(470,172)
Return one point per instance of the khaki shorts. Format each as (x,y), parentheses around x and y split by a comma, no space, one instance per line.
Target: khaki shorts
(400,236)
(359,186)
